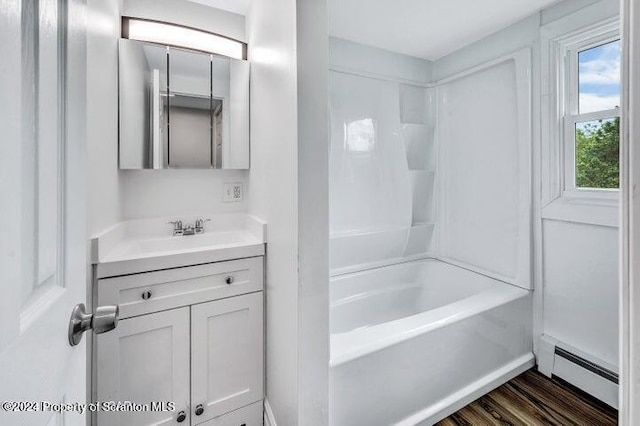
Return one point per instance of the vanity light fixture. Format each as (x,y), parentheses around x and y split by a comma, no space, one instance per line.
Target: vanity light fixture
(181,36)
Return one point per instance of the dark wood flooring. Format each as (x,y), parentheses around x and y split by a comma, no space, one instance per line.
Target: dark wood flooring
(532,399)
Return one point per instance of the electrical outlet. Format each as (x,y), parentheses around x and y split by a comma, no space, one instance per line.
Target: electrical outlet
(232,192)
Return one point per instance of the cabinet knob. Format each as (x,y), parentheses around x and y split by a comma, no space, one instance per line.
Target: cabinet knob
(146,295)
(182,416)
(199,410)
(229,279)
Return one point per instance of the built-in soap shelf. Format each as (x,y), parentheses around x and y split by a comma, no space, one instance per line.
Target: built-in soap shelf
(419,239)
(419,146)
(418,134)
(422,188)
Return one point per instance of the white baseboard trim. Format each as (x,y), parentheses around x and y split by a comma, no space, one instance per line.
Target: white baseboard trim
(269,419)
(586,372)
(470,393)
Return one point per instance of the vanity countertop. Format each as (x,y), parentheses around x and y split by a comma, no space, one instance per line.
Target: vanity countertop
(143,245)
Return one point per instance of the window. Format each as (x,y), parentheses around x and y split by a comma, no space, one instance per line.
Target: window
(591,113)
(579,116)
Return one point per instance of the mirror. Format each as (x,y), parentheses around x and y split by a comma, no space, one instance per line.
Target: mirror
(182,109)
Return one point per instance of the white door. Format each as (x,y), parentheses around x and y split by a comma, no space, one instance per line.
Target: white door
(144,361)
(226,355)
(43,250)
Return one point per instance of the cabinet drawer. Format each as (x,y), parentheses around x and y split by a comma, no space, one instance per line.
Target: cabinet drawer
(160,290)
(251,415)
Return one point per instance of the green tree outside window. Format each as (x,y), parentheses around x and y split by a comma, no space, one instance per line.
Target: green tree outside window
(597,154)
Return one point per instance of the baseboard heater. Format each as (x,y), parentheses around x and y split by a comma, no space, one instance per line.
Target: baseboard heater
(588,373)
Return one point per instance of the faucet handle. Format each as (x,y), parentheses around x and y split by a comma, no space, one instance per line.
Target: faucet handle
(177,227)
(177,224)
(200,225)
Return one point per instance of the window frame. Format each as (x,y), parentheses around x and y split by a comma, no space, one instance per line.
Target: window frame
(569,50)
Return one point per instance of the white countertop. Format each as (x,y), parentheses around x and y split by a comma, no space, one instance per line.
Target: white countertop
(142,245)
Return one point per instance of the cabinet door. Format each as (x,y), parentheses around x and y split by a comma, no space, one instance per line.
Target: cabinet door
(226,355)
(145,360)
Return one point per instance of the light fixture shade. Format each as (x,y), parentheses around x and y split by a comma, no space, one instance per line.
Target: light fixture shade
(180,36)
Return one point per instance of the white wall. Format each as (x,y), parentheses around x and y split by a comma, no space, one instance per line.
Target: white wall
(522,34)
(348,56)
(288,188)
(147,193)
(273,194)
(313,211)
(104,183)
(581,287)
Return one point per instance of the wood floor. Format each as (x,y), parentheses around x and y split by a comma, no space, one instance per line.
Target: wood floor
(532,399)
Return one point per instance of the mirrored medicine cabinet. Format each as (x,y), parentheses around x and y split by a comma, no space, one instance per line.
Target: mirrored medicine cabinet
(181,109)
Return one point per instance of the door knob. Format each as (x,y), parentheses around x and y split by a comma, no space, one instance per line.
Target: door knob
(104,319)
(199,410)
(182,416)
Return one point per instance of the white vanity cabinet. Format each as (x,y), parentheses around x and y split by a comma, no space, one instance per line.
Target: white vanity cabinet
(191,335)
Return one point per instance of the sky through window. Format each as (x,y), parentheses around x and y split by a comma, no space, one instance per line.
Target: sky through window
(599,77)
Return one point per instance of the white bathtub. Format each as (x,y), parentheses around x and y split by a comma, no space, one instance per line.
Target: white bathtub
(412,343)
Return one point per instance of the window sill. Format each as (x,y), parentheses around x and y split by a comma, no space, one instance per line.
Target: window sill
(593,209)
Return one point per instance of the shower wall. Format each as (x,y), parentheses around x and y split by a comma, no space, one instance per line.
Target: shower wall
(382,158)
(429,169)
(484,140)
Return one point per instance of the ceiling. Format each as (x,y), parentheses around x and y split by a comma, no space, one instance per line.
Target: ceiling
(236,6)
(426,29)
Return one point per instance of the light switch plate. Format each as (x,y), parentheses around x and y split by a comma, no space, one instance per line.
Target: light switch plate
(232,192)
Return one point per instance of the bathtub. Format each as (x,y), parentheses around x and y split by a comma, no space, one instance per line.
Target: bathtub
(412,343)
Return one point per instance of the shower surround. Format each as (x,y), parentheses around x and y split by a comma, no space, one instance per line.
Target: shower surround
(430,194)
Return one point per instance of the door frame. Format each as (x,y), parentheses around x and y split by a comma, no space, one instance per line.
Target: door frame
(629,290)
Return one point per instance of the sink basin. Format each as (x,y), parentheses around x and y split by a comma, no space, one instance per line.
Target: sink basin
(167,245)
(140,245)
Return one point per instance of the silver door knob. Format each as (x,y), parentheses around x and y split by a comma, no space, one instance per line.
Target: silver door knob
(199,410)
(104,319)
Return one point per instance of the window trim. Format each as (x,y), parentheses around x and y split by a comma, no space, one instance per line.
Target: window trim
(570,49)
(597,206)
(559,95)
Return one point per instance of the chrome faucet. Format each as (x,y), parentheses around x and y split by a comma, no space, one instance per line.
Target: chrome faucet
(197,228)
(188,230)
(177,227)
